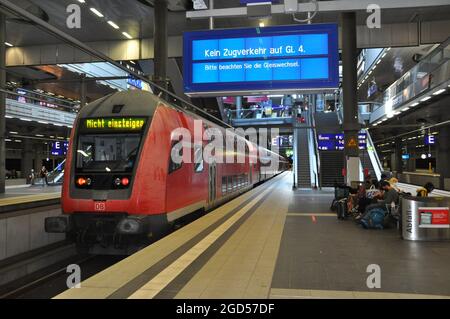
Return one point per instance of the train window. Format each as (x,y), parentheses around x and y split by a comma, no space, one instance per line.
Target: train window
(234,182)
(107,152)
(224,185)
(230,183)
(172,165)
(198,158)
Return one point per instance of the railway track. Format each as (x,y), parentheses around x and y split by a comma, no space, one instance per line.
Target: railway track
(51,281)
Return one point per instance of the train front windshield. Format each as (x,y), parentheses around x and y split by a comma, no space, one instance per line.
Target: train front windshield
(107,152)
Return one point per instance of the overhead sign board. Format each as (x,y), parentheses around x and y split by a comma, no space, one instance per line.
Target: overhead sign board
(336,142)
(261,60)
(59,148)
(430,140)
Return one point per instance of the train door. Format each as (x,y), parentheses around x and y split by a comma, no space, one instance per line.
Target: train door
(212,184)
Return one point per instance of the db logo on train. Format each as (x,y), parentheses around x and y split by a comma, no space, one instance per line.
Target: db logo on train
(100,206)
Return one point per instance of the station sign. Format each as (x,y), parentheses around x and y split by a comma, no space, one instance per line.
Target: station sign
(336,142)
(261,60)
(137,83)
(59,148)
(430,140)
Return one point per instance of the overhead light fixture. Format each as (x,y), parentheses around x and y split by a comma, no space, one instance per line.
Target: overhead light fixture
(39,135)
(9,44)
(127,35)
(379,61)
(12,132)
(81,1)
(388,49)
(18,141)
(262,25)
(26,120)
(415,104)
(97,13)
(426,98)
(115,26)
(42,122)
(405,109)
(384,54)
(439,92)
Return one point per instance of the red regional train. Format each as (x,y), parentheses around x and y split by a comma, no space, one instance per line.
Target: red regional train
(122,190)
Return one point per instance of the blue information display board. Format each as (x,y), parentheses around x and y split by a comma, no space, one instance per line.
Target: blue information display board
(261,59)
(59,148)
(335,142)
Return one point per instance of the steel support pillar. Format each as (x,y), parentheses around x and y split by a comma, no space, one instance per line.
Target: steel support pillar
(2,102)
(351,125)
(238,106)
(160,37)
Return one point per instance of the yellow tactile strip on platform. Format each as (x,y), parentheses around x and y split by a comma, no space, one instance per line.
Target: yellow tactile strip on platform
(243,267)
(154,286)
(17,200)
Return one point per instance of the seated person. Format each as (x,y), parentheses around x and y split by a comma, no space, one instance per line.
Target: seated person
(389,196)
(425,190)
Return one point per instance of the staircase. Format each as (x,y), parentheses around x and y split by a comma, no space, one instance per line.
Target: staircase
(332,163)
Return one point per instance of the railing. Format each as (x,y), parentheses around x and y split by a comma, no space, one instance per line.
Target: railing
(373,155)
(314,147)
(259,113)
(430,73)
(44,100)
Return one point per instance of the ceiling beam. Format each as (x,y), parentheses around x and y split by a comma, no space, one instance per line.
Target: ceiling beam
(324,6)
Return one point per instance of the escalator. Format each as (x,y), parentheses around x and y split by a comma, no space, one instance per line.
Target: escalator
(306,163)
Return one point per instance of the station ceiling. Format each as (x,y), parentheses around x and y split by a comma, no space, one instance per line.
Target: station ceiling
(136,18)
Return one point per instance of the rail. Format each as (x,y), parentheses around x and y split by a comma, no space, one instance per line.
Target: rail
(315,150)
(430,73)
(373,155)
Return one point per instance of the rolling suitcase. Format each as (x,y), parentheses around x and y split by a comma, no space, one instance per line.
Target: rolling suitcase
(342,209)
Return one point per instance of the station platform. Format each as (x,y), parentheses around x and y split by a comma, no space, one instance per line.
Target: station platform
(24,197)
(275,242)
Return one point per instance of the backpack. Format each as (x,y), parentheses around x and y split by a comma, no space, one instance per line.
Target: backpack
(374,219)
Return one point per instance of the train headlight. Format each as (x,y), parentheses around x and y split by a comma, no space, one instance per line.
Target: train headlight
(130,226)
(125,181)
(81,181)
(121,181)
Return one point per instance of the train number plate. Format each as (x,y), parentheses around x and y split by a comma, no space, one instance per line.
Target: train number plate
(100,206)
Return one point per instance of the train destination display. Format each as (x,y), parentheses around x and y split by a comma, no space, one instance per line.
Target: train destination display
(128,123)
(273,58)
(335,142)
